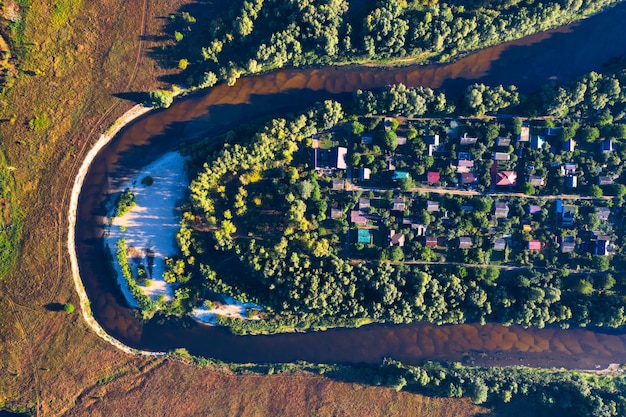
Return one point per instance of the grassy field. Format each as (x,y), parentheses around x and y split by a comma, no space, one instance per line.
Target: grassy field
(74,57)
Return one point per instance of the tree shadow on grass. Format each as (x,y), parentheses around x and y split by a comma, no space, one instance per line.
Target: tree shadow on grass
(56,307)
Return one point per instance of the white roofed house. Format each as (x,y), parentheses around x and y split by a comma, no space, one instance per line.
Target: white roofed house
(536,180)
(501,156)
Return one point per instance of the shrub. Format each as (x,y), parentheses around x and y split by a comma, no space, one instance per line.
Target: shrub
(39,122)
(68,308)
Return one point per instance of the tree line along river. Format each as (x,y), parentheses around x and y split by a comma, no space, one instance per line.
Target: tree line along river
(561,54)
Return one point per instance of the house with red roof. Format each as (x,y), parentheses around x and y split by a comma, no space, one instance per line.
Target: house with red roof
(433,177)
(534,245)
(506,178)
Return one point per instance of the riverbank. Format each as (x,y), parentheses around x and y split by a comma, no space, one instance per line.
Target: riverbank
(85,306)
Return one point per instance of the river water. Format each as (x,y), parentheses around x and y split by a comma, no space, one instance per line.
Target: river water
(561,54)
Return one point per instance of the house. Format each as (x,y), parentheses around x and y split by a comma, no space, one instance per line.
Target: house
(553,131)
(534,209)
(506,178)
(571,181)
(606,146)
(432,205)
(334,158)
(466,140)
(501,156)
(365,173)
(339,157)
(603,213)
(568,169)
(357,217)
(569,145)
(432,143)
(367,139)
(605,180)
(401,140)
(499,244)
(432,140)
(536,180)
(364,203)
(364,236)
(524,135)
(433,177)
(430,241)
(398,204)
(390,164)
(568,244)
(336,213)
(534,245)
(337,185)
(536,142)
(420,229)
(501,209)
(568,214)
(559,206)
(395,239)
(503,142)
(465,242)
(602,245)
(467,178)
(464,166)
(400,175)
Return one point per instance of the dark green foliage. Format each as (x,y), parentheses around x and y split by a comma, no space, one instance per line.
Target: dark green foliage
(259,35)
(125,201)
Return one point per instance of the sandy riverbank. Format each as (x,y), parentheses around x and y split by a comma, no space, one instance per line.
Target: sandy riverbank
(150,227)
(85,307)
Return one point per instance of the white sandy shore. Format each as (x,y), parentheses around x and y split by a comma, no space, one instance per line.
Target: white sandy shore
(150,228)
(151,225)
(229,308)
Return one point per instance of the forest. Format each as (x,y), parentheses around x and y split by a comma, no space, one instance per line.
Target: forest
(262,35)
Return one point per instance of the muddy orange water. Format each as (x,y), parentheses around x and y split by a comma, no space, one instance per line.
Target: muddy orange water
(561,54)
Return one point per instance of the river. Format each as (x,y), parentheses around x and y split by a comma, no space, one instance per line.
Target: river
(560,54)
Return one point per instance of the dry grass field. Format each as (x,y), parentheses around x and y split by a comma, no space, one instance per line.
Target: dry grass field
(75,56)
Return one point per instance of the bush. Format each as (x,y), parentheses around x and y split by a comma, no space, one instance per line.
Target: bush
(68,308)
(39,122)
(160,99)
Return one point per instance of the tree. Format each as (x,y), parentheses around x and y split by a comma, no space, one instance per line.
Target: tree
(161,99)
(68,308)
(391,140)
(595,190)
(601,263)
(406,183)
(529,189)
(589,134)
(479,392)
(357,128)
(592,221)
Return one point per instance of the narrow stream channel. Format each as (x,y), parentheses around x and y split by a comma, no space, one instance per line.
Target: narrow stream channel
(562,54)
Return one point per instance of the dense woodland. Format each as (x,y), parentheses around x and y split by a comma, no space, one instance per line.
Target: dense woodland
(257,207)
(260,35)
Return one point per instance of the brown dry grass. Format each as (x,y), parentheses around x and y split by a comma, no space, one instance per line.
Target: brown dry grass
(51,362)
(204,392)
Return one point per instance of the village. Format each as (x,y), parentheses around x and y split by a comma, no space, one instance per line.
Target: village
(496,192)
